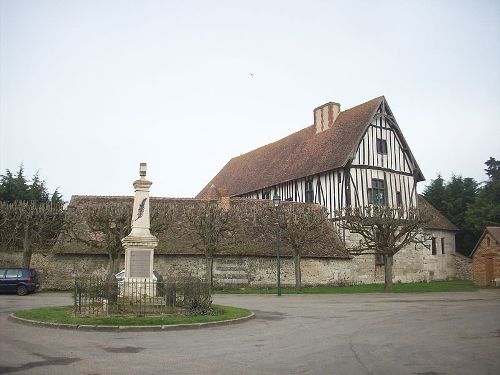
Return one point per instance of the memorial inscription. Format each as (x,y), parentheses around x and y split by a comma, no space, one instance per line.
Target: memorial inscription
(139,263)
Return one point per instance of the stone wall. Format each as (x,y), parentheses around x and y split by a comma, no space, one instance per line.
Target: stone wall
(414,263)
(407,267)
(56,271)
(440,266)
(463,267)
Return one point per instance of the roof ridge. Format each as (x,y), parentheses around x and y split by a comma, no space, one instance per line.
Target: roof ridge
(307,127)
(300,154)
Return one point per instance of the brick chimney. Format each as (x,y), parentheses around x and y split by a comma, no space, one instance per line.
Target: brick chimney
(325,116)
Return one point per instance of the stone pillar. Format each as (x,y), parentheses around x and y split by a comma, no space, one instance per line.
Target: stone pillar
(140,243)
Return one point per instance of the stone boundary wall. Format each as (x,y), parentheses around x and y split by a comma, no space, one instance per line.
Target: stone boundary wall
(56,271)
(407,268)
(414,263)
(463,267)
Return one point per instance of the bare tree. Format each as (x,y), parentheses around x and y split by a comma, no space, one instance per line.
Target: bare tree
(210,222)
(301,226)
(384,230)
(29,225)
(105,225)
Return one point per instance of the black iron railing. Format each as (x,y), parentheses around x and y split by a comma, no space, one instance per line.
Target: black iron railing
(95,296)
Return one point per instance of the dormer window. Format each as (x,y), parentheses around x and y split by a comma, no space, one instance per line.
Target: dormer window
(381,146)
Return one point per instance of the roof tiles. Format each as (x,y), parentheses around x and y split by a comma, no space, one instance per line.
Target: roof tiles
(298,155)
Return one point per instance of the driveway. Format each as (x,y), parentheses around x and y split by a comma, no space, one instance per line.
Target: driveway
(431,334)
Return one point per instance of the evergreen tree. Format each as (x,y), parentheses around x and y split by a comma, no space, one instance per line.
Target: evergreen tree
(16,187)
(492,169)
(485,211)
(434,193)
(459,194)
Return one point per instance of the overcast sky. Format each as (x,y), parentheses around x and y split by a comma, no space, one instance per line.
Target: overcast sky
(89,89)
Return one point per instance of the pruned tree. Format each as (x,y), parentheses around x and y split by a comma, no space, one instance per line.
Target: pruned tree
(29,225)
(385,231)
(210,222)
(105,225)
(301,227)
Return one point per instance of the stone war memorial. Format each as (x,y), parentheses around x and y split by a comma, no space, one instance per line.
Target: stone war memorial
(140,243)
(141,292)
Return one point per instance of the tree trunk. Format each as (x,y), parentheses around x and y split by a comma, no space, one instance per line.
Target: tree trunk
(388,272)
(209,270)
(298,274)
(27,250)
(113,267)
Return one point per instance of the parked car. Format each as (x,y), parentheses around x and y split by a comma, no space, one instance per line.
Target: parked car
(19,280)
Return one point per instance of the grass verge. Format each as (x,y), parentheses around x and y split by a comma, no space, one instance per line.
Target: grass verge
(63,315)
(436,286)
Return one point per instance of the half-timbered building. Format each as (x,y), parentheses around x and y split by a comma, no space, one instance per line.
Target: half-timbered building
(354,157)
(345,158)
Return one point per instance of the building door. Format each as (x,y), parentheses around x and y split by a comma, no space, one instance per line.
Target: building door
(489,269)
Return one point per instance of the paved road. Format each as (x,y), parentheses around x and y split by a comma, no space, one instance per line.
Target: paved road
(425,334)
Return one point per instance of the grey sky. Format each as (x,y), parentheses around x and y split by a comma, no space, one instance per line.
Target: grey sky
(89,89)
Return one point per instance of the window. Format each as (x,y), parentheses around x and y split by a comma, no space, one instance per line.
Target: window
(2,273)
(381,146)
(399,199)
(309,189)
(266,194)
(376,195)
(12,273)
(433,246)
(442,245)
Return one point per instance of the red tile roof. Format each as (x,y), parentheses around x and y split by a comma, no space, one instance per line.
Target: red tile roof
(438,220)
(298,155)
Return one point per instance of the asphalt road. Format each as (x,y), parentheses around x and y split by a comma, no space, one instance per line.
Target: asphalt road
(424,334)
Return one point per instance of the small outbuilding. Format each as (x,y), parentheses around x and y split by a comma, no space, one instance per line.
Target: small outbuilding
(486,258)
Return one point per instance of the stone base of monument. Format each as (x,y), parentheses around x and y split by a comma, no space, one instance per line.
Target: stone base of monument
(138,288)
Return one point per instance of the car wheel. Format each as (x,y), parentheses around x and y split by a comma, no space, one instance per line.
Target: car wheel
(22,290)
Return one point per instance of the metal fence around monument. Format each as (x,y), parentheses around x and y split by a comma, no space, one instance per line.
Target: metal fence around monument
(98,297)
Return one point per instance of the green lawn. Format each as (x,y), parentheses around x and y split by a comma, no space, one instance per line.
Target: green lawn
(63,314)
(436,286)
